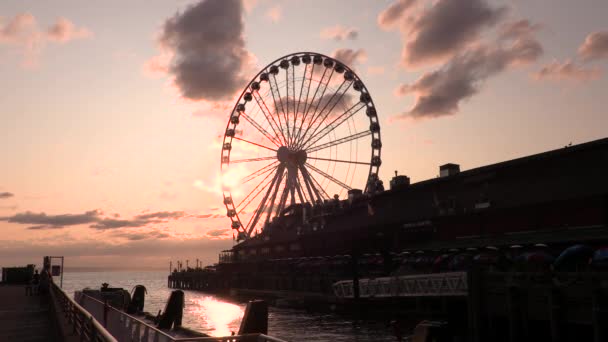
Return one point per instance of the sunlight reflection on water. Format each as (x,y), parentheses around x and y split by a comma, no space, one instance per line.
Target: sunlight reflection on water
(220,317)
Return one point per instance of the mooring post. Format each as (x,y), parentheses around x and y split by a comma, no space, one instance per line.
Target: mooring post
(512,313)
(355,268)
(554,314)
(597,312)
(474,304)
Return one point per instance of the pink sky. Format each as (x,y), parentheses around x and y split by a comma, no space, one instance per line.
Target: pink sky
(113,113)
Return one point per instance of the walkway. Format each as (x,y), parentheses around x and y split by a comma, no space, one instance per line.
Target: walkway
(23,318)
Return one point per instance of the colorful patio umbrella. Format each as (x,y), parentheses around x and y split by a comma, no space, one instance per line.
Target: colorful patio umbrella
(573,257)
(600,258)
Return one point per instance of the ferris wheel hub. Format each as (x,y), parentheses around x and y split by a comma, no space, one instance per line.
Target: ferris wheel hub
(290,157)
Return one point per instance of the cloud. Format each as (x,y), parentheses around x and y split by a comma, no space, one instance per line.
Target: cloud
(111,223)
(138,221)
(64,30)
(23,34)
(339,32)
(206,46)
(350,57)
(438,32)
(274,13)
(161,215)
(6,195)
(388,18)
(142,235)
(595,46)
(41,221)
(566,71)
(44,221)
(218,233)
(18,28)
(447,27)
(518,28)
(439,93)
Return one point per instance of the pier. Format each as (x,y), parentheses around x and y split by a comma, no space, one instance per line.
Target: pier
(24,318)
(489,305)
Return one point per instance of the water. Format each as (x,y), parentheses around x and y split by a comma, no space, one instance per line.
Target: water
(219,317)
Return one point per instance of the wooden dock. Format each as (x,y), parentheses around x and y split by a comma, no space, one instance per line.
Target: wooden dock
(24,318)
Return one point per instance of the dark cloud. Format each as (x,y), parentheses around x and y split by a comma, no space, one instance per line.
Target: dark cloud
(64,30)
(161,215)
(218,233)
(516,29)
(94,217)
(135,236)
(6,195)
(339,33)
(139,220)
(203,216)
(350,57)
(440,92)
(393,13)
(595,46)
(208,49)
(447,26)
(53,221)
(566,71)
(109,223)
(44,227)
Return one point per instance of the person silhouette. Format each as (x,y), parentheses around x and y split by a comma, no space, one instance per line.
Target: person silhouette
(35,282)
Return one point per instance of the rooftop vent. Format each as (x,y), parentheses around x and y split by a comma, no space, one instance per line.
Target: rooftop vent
(399,181)
(449,170)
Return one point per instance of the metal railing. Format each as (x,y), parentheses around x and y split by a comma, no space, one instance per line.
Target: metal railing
(126,327)
(82,322)
(423,285)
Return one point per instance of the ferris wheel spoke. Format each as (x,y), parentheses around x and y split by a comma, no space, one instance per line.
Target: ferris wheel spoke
(314,96)
(341,90)
(323,86)
(268,116)
(253,221)
(274,195)
(298,187)
(307,183)
(338,141)
(252,191)
(252,160)
(340,161)
(259,172)
(328,176)
(316,189)
(289,90)
(284,195)
(276,94)
(256,144)
(260,129)
(308,72)
(337,122)
(321,190)
(293,94)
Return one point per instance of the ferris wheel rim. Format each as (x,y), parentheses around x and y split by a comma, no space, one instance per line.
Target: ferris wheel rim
(374,164)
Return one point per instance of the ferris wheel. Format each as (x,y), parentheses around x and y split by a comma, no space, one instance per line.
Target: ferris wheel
(304,130)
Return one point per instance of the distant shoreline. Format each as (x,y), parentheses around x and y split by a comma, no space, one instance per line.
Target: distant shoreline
(111,269)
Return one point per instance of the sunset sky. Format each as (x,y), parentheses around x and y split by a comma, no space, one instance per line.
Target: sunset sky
(112,112)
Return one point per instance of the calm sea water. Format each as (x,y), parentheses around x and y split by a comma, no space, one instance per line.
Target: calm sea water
(218,317)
